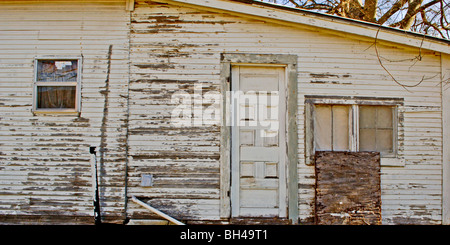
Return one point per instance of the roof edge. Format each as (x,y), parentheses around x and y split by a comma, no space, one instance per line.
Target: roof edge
(320,20)
(355,21)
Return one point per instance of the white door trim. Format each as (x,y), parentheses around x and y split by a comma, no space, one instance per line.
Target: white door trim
(290,62)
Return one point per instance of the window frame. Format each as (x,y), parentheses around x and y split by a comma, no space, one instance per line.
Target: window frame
(354,102)
(394,131)
(76,84)
(333,123)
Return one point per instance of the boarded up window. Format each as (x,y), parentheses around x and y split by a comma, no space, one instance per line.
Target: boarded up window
(56,84)
(331,127)
(348,188)
(376,129)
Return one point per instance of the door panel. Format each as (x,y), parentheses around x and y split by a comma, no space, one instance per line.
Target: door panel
(258,187)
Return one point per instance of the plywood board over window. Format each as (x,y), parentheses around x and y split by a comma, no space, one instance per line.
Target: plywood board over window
(355,176)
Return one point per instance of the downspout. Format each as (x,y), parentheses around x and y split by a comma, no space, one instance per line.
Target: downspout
(97,213)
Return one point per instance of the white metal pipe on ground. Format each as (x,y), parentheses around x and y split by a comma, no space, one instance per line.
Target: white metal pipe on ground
(156,211)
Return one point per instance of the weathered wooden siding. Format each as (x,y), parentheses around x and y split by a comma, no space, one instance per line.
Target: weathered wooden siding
(410,188)
(45,165)
(173,48)
(410,185)
(183,160)
(45,161)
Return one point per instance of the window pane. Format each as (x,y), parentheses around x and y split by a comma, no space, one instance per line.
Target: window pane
(384,141)
(384,117)
(322,128)
(340,128)
(367,140)
(56,97)
(367,116)
(57,70)
(376,129)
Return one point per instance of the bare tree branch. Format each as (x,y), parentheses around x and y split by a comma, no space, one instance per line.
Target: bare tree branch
(413,9)
(444,22)
(295,3)
(433,25)
(423,16)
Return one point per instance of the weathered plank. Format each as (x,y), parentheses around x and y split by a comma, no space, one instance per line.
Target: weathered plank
(348,188)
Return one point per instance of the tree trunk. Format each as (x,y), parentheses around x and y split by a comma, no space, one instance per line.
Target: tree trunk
(370,10)
(354,9)
(410,16)
(396,7)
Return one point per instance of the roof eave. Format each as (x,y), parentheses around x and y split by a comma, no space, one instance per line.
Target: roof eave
(353,21)
(320,20)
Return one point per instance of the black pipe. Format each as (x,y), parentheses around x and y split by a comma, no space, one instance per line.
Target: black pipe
(97,213)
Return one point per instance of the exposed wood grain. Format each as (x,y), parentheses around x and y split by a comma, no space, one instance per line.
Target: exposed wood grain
(348,188)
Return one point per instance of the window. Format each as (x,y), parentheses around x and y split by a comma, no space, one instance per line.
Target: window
(340,123)
(376,129)
(334,128)
(57,85)
(331,126)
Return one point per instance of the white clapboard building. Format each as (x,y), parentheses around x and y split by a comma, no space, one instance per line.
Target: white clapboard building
(215,112)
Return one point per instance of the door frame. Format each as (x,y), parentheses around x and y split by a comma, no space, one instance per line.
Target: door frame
(290,64)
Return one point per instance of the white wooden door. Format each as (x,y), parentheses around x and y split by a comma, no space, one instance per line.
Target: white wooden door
(258,142)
